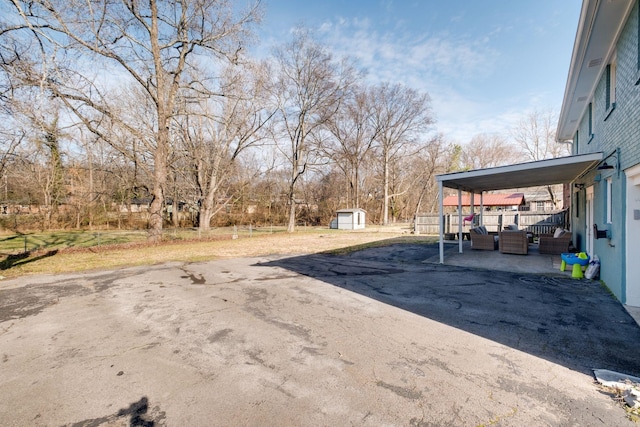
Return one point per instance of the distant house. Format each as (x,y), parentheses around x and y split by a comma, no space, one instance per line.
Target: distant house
(136,205)
(497,201)
(601,114)
(538,199)
(349,219)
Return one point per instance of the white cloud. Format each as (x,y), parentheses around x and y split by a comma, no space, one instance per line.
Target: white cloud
(396,56)
(439,65)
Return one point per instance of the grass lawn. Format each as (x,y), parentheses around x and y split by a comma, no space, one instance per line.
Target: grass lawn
(62,252)
(17,243)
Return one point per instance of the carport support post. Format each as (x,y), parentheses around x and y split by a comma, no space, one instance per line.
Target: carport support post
(472,205)
(459,221)
(441,212)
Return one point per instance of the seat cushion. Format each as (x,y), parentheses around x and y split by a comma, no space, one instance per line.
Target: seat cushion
(559,232)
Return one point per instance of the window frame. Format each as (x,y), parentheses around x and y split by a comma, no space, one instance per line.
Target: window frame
(610,93)
(590,112)
(611,72)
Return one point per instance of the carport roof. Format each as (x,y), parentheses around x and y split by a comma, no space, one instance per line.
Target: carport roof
(522,175)
(513,199)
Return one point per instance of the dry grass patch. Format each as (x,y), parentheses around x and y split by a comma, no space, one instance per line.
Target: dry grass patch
(114,256)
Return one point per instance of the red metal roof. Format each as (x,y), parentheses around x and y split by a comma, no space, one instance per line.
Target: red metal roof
(513,199)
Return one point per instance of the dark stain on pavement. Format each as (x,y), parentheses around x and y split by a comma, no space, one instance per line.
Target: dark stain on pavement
(195,279)
(401,391)
(257,304)
(220,335)
(31,300)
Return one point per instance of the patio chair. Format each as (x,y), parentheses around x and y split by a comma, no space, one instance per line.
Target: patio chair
(554,244)
(514,242)
(468,218)
(482,240)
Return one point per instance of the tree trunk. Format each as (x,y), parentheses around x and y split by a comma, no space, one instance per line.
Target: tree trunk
(292,214)
(207,204)
(160,180)
(385,204)
(417,211)
(155,213)
(552,196)
(91,191)
(206,210)
(174,212)
(356,190)
(204,218)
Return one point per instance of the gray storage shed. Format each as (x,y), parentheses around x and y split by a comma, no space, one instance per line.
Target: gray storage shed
(349,219)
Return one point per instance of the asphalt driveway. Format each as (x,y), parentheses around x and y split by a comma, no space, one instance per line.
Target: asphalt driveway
(376,337)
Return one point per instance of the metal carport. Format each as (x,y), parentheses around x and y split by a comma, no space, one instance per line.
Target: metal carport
(522,175)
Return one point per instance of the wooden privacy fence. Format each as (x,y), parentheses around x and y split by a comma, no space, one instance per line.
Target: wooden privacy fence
(533,222)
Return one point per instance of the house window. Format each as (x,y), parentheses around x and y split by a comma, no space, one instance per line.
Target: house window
(539,206)
(610,95)
(609,183)
(590,120)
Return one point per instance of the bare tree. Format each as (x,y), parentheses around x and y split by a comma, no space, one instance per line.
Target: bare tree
(10,139)
(15,61)
(535,133)
(489,150)
(401,116)
(222,128)
(428,162)
(310,85)
(34,123)
(150,44)
(353,131)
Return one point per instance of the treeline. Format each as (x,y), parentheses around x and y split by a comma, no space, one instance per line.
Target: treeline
(134,114)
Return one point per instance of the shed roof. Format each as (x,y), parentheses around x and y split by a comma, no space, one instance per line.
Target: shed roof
(354,210)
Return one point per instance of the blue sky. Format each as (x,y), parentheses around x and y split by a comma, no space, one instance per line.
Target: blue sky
(485,63)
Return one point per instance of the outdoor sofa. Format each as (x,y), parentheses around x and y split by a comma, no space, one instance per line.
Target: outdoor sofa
(482,240)
(556,243)
(514,242)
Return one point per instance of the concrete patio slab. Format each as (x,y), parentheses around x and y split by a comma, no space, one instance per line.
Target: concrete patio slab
(533,262)
(376,337)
